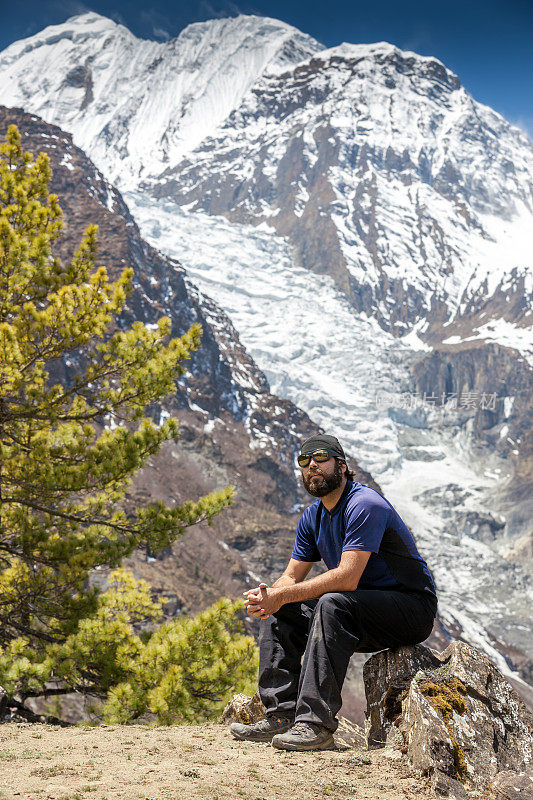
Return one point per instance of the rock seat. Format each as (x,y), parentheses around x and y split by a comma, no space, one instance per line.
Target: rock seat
(454,715)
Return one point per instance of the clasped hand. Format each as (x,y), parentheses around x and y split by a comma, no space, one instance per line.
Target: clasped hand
(262,601)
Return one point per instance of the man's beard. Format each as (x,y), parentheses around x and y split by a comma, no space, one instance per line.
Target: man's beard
(321,485)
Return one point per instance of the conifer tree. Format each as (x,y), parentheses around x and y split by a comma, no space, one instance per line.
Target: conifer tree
(68,451)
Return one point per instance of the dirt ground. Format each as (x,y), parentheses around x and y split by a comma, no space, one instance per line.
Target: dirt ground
(44,762)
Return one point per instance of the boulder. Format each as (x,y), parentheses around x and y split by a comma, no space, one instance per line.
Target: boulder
(454,714)
(511,786)
(431,746)
(387,676)
(242,708)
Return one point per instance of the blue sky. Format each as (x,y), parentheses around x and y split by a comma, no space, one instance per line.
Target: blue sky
(488,43)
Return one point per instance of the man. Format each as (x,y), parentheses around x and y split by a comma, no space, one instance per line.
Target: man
(377,593)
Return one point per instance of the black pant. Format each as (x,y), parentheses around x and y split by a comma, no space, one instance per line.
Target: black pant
(326,632)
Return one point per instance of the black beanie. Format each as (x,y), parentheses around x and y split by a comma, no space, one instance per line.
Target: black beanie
(325,441)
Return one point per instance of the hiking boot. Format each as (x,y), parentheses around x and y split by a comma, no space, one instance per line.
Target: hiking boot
(261,731)
(305,736)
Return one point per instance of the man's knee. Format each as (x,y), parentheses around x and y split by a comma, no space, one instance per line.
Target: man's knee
(332,600)
(326,599)
(334,620)
(330,603)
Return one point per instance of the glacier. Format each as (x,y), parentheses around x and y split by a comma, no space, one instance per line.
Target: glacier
(352,378)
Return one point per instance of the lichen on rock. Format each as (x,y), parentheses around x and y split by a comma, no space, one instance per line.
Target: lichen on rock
(446,698)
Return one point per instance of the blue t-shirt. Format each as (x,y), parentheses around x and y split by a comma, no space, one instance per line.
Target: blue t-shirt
(363,520)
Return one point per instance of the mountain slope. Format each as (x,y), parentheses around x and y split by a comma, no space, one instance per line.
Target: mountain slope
(356,379)
(232,429)
(365,223)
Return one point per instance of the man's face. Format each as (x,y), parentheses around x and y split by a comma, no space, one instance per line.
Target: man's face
(321,478)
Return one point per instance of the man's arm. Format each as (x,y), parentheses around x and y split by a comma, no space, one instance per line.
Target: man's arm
(295,572)
(344,578)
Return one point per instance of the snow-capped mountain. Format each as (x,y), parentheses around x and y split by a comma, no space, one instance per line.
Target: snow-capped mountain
(383,172)
(368,227)
(139,106)
(376,163)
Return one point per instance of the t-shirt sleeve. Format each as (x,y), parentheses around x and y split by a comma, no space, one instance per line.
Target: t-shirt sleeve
(365,522)
(305,548)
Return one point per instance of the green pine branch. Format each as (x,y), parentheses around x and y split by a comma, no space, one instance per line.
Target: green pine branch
(64,476)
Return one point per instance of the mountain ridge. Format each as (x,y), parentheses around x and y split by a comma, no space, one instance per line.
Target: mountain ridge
(174,87)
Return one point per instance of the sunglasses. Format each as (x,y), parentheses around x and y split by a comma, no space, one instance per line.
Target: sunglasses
(318,455)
